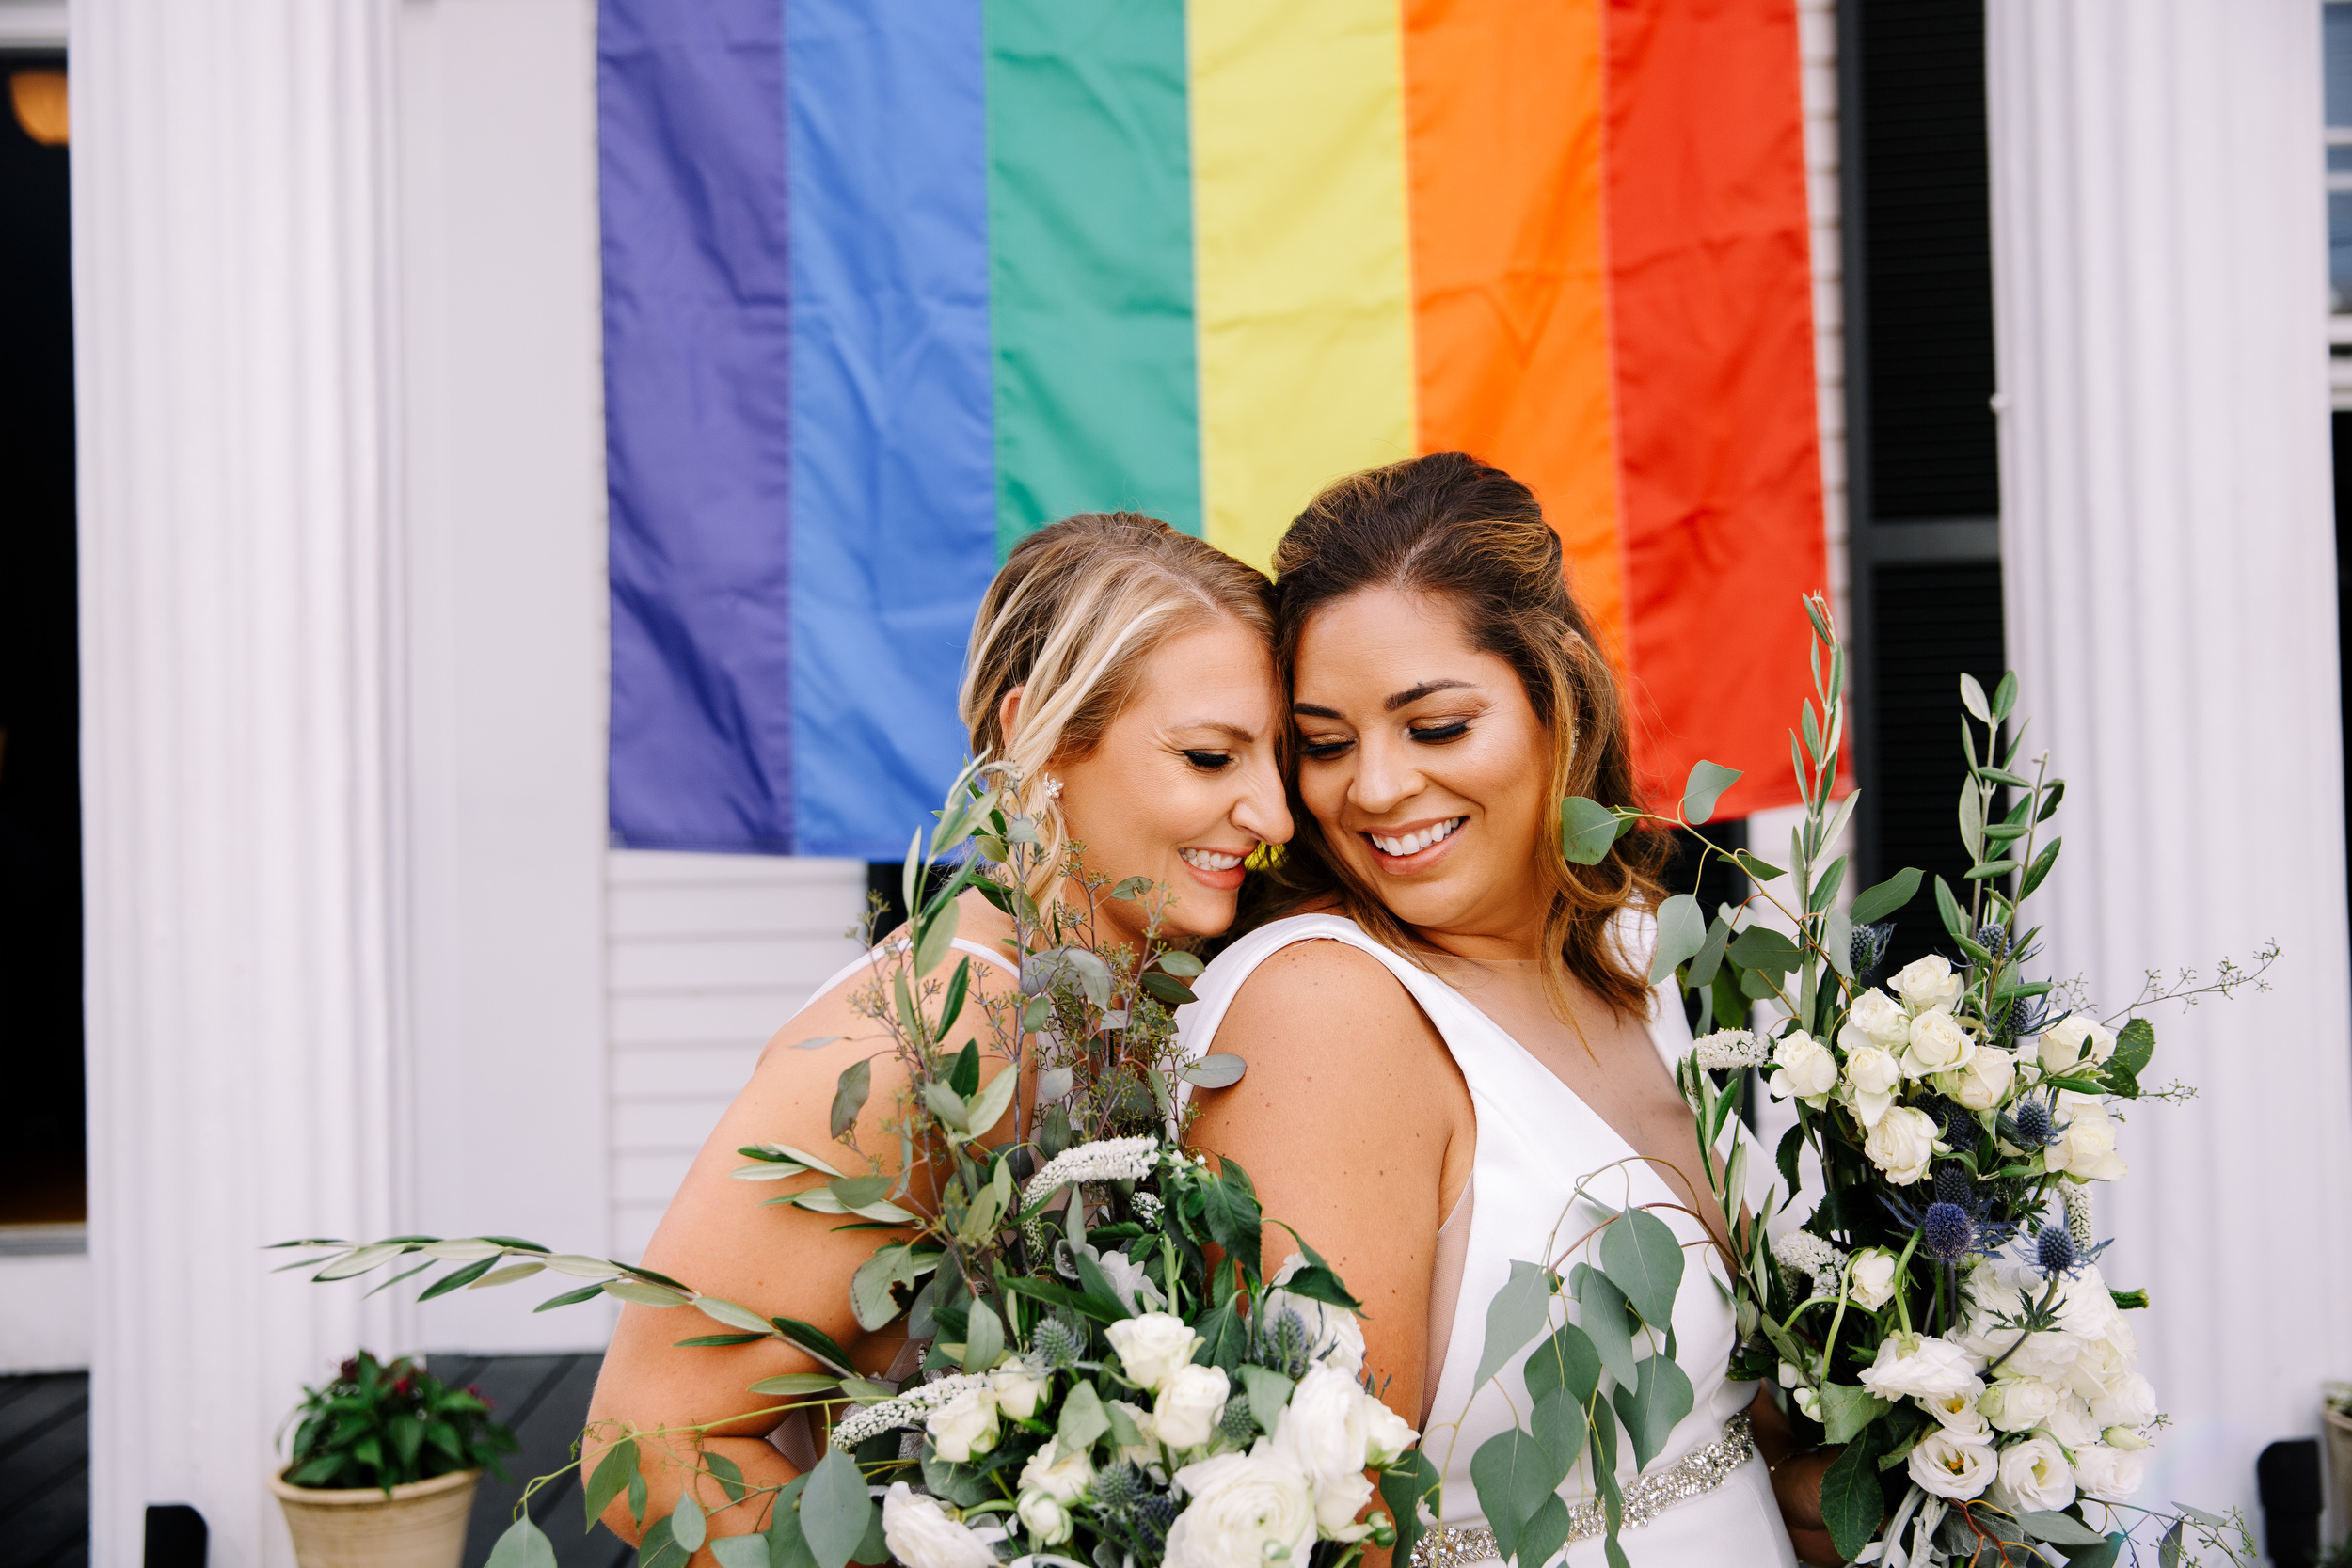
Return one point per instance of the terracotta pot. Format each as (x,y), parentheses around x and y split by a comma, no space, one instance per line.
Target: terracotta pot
(422,1525)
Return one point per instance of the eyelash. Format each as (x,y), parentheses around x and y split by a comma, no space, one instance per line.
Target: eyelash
(1435,735)
(1209,762)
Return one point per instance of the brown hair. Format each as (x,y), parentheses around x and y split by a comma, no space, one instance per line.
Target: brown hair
(1450,526)
(1078,610)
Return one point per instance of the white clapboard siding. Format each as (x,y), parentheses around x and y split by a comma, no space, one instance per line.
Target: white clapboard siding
(706,956)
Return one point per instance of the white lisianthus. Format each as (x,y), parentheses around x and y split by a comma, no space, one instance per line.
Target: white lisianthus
(1870,1283)
(2034,1475)
(1337,1339)
(1808,1401)
(1064,1477)
(921,1535)
(1184,1414)
(1152,1347)
(1878,1016)
(2125,1438)
(1926,985)
(964,1426)
(1947,1466)
(2086,1150)
(1910,1367)
(1046,1516)
(1872,1074)
(2103,1363)
(1243,1511)
(1903,1145)
(2071,1423)
(1387,1434)
(2018,1404)
(2077,1039)
(1018,1389)
(2086,1307)
(1984,1081)
(2131,1403)
(1938,1044)
(2109,1475)
(1804,1069)
(1957,1412)
(1325,1434)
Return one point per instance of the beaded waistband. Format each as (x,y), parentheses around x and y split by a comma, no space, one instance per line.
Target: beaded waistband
(1701,1470)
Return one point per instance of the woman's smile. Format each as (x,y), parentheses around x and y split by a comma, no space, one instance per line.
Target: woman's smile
(1414,847)
(1220,869)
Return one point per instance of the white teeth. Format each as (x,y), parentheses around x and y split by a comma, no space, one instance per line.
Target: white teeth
(1209,860)
(1413,844)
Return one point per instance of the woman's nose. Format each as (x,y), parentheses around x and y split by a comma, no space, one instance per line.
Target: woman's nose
(1264,809)
(1383,778)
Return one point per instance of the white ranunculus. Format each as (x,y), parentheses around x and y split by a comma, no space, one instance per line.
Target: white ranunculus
(964,1426)
(1046,1516)
(2034,1475)
(1880,1017)
(1872,1075)
(1802,1068)
(2071,1422)
(1064,1477)
(1945,1465)
(1184,1414)
(2131,1402)
(1903,1145)
(1938,1044)
(1870,1282)
(1910,1367)
(2074,1040)
(1927,984)
(1333,1332)
(1243,1509)
(2018,1404)
(1984,1081)
(1958,1414)
(1325,1434)
(921,1535)
(1152,1347)
(1387,1434)
(1018,1389)
(2086,1150)
(2109,1475)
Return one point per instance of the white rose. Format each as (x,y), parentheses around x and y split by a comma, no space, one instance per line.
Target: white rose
(1870,1283)
(1957,1412)
(2074,1040)
(2109,1475)
(1018,1389)
(1804,1069)
(1244,1510)
(2131,1402)
(1152,1347)
(1876,1014)
(1984,1081)
(1938,1044)
(1909,1366)
(1947,1466)
(2034,1475)
(1065,1477)
(1046,1516)
(1337,1339)
(1387,1434)
(1927,984)
(964,1426)
(2018,1404)
(921,1535)
(2086,1150)
(1185,1416)
(1872,1075)
(1325,1434)
(1902,1143)
(2071,1422)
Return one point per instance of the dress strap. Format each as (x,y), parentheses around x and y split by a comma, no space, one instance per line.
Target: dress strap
(898,945)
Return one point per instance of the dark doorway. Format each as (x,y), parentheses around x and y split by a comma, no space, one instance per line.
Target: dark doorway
(42,1150)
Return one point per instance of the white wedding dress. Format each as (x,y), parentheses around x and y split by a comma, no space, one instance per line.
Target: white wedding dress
(1536,1140)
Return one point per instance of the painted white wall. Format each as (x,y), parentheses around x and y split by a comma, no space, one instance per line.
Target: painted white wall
(44,1312)
(503,447)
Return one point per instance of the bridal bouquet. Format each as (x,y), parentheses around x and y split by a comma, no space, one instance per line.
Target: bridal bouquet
(1941,1313)
(1111,1380)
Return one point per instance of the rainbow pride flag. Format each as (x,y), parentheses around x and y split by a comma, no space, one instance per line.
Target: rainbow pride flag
(890,282)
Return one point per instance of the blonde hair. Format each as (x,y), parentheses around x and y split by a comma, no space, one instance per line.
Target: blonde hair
(1078,610)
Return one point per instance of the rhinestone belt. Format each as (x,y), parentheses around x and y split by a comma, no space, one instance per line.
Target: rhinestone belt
(1702,1469)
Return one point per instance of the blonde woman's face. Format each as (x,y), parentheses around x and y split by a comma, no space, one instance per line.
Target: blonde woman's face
(1423,763)
(1186,783)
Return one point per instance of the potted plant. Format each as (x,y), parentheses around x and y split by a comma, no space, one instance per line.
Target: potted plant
(385,1462)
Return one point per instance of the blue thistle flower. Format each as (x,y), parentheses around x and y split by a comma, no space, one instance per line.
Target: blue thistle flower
(1954,1185)
(1954,1123)
(1950,1230)
(2055,1252)
(1869,949)
(1993,936)
(2033,1125)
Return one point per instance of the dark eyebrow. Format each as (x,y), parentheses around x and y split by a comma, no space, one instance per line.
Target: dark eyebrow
(1311,711)
(1406,697)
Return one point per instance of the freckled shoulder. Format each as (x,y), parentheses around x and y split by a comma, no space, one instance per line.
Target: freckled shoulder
(1314,999)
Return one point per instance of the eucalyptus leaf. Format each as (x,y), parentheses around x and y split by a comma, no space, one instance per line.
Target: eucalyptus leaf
(1838,937)
(1545,1531)
(1587,829)
(983,1339)
(2061,1529)
(1409,1484)
(1643,1260)
(1513,1474)
(1761,947)
(1706,786)
(1558,1423)
(686,1526)
(1601,1313)
(1180,964)
(1567,1361)
(523,1546)
(1659,1397)
(1083,1420)
(848,1095)
(834,1509)
(1516,1315)
(1269,1391)
(740,1551)
(1710,954)
(1885,899)
(609,1479)
(1847,1409)
(1214,1071)
(988,1107)
(1681,932)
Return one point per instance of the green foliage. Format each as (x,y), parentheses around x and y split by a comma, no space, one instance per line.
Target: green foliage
(386,1425)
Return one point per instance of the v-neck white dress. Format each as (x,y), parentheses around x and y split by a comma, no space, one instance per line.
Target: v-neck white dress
(1536,1142)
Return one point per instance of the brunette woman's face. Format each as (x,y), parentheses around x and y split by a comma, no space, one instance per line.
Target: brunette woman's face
(1186,782)
(1425,764)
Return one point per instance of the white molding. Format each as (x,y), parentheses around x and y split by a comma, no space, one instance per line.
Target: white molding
(46,1327)
(2169,555)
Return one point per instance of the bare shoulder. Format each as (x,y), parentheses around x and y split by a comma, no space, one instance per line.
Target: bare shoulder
(1314,991)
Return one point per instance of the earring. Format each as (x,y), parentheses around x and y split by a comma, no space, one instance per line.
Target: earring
(1052,786)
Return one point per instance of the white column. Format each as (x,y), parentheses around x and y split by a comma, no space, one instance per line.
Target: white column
(2167,543)
(231,185)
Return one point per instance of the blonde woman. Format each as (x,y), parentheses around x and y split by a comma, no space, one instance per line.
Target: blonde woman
(1127,672)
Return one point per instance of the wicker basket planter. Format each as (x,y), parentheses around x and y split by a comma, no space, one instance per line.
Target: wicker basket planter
(422,1525)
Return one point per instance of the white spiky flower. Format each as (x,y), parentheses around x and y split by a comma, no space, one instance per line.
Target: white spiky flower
(1104,1160)
(2078,1213)
(1808,1254)
(1730,1050)
(905,1410)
